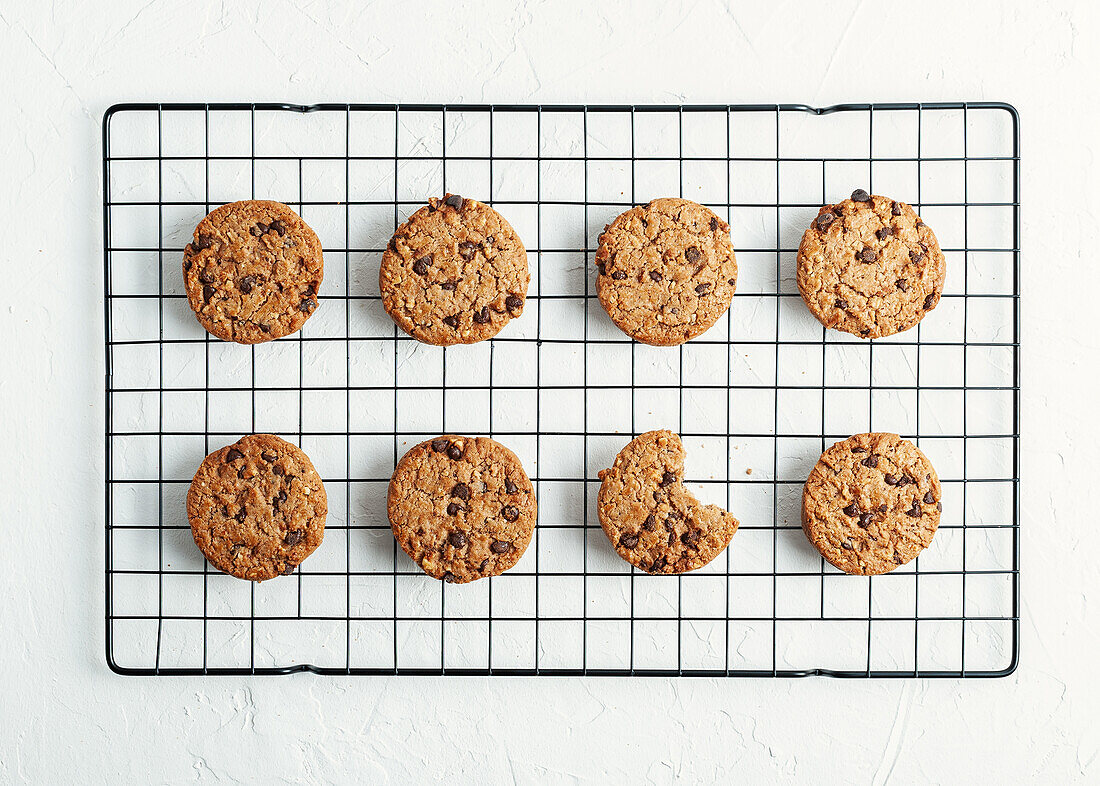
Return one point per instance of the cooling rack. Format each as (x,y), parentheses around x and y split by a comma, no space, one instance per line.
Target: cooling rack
(756,398)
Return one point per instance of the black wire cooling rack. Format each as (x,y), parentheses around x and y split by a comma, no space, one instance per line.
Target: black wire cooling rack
(756,398)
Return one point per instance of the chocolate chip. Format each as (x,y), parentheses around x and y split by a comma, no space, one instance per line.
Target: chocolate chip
(618,275)
(279,227)
(420,266)
(457,539)
(916,256)
(864,331)
(859,195)
(278,470)
(449,577)
(902,284)
(655,276)
(307,305)
(482,317)
(824,221)
(841,303)
(455,201)
(451,321)
(461,491)
(891,480)
(509,486)
(233,455)
(852,510)
(246,284)
(693,254)
(466,250)
(204,241)
(691,537)
(601,268)
(240,516)
(289,568)
(440,445)
(884,233)
(658,564)
(919,224)
(865,519)
(501,546)
(241,472)
(667,479)
(929,301)
(914,512)
(713,224)
(858,449)
(702,289)
(484,564)
(447,286)
(510,512)
(847,546)
(928,498)
(895,209)
(628,541)
(278,500)
(513,302)
(454,452)
(453,509)
(207,293)
(650,522)
(871,461)
(868,254)
(206,277)
(259,229)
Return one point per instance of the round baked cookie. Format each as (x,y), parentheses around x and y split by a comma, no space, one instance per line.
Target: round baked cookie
(871,503)
(869,266)
(463,508)
(454,273)
(257,507)
(252,271)
(666,271)
(652,521)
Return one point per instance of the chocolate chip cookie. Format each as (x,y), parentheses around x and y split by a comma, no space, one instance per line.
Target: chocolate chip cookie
(257,507)
(462,508)
(869,266)
(666,271)
(454,273)
(871,503)
(648,515)
(252,271)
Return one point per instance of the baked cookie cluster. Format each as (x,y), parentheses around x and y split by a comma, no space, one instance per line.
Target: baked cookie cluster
(456,272)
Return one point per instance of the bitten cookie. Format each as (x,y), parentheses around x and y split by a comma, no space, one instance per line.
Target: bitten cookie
(666,271)
(652,521)
(252,271)
(462,508)
(257,507)
(871,503)
(869,266)
(454,273)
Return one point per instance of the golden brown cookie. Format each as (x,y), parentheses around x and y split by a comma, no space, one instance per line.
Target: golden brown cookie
(871,503)
(869,266)
(252,271)
(648,515)
(257,507)
(666,271)
(462,508)
(454,273)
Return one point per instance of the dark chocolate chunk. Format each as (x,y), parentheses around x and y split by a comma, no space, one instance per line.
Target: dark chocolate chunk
(859,195)
(500,546)
(233,455)
(628,541)
(457,539)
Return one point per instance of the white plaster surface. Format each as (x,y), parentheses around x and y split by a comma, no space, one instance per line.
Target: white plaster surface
(65,717)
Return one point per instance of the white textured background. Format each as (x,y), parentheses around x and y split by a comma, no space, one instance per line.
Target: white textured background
(64,716)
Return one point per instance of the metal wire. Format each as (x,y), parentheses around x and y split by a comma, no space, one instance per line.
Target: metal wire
(160,640)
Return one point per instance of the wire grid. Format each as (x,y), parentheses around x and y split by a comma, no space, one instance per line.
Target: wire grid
(756,398)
